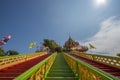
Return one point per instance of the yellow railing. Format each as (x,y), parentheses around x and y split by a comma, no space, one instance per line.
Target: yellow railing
(13,60)
(107,60)
(85,71)
(39,71)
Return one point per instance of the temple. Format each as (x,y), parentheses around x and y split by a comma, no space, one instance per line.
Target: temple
(70,44)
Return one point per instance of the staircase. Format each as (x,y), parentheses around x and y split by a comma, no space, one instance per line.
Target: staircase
(109,69)
(60,70)
(13,71)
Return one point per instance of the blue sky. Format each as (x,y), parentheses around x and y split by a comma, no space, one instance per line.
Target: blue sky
(35,20)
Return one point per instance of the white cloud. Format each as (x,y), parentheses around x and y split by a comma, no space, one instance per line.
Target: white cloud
(107,40)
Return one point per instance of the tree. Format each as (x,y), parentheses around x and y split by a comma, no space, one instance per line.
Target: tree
(118,54)
(51,44)
(58,49)
(12,52)
(2,52)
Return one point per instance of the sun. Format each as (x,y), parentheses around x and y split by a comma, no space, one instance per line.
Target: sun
(100,2)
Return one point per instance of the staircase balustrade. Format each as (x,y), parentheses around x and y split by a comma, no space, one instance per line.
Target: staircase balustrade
(107,60)
(13,60)
(39,71)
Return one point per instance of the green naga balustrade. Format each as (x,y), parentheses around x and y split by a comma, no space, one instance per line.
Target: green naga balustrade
(39,71)
(85,71)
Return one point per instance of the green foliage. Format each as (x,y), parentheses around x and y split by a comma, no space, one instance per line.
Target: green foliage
(2,52)
(58,49)
(12,52)
(118,54)
(51,44)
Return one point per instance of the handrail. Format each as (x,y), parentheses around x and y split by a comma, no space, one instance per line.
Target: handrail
(107,60)
(39,71)
(13,60)
(19,55)
(85,71)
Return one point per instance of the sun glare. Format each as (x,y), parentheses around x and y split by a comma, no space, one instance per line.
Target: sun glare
(100,2)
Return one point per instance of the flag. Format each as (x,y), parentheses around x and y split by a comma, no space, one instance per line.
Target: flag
(91,46)
(32,44)
(5,39)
